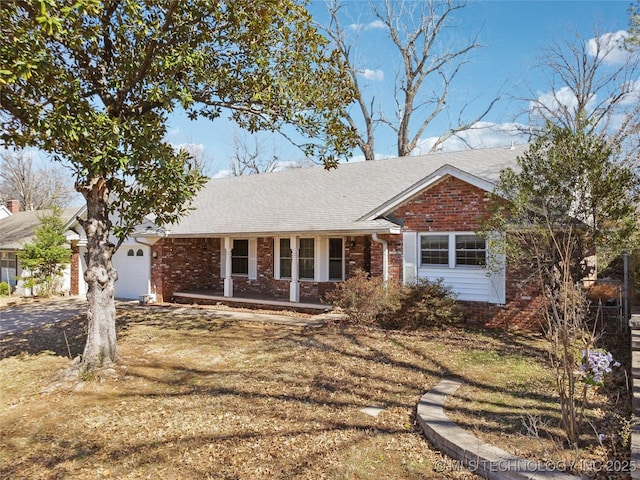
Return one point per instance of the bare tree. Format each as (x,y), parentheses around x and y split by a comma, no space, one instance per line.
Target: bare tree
(594,87)
(429,66)
(36,187)
(200,158)
(252,155)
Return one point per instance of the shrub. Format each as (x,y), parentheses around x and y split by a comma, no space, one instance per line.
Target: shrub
(363,299)
(424,304)
(5,289)
(371,300)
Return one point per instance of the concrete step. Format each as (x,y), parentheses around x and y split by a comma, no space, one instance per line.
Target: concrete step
(635,364)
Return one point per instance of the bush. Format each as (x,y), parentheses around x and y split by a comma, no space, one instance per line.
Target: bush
(425,304)
(370,301)
(5,289)
(363,299)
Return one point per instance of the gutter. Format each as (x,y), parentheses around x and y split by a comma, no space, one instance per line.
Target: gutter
(385,255)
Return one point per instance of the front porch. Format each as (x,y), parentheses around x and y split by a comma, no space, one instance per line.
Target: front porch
(250,300)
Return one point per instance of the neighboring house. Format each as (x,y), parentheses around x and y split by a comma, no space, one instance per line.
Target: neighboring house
(132,260)
(296,234)
(17,229)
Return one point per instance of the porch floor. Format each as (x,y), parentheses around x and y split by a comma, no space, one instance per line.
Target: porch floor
(250,300)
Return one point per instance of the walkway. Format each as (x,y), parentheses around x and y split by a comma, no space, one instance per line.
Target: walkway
(247,316)
(468,450)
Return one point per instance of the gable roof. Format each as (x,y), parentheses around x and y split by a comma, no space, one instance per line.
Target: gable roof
(346,200)
(19,228)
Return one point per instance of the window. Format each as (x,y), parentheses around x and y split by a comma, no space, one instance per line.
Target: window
(318,259)
(130,252)
(8,267)
(306,258)
(335,259)
(240,257)
(139,253)
(471,250)
(453,250)
(434,250)
(285,258)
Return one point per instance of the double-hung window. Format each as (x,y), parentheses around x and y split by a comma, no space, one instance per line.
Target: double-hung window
(452,250)
(471,250)
(336,259)
(285,258)
(319,259)
(240,257)
(306,258)
(434,250)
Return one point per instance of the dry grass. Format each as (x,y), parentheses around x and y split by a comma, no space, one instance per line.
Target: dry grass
(197,398)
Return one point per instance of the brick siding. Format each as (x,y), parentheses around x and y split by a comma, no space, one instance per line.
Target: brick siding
(74,287)
(450,205)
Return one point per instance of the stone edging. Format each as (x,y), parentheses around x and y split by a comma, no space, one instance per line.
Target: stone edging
(468,450)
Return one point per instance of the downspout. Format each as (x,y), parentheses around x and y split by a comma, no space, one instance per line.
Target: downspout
(152,294)
(385,255)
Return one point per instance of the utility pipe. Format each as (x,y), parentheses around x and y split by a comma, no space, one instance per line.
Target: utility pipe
(385,255)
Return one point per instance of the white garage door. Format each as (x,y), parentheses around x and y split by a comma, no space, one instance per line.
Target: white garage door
(133,266)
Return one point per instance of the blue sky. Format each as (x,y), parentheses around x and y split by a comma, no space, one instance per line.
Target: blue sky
(513,32)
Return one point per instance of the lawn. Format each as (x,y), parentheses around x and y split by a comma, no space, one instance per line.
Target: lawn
(198,398)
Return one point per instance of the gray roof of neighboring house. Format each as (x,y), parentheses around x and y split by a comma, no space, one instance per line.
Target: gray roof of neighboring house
(319,200)
(19,228)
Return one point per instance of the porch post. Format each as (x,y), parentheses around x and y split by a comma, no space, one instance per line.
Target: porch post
(294,286)
(228,280)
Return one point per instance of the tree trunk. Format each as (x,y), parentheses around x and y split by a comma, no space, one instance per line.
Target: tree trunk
(101,348)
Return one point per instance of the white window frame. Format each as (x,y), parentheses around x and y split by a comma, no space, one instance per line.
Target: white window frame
(452,251)
(321,259)
(234,256)
(341,279)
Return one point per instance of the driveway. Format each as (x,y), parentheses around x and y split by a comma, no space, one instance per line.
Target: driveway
(34,314)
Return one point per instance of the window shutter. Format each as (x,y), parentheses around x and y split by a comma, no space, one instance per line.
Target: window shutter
(322,259)
(409,257)
(253,258)
(496,268)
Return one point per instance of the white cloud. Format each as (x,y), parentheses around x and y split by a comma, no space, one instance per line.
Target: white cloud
(375,25)
(612,47)
(553,101)
(482,135)
(377,75)
(195,149)
(223,174)
(633,97)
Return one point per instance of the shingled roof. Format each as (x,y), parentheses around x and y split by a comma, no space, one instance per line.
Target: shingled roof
(326,201)
(19,228)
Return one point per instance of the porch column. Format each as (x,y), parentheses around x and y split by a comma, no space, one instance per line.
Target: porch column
(294,286)
(228,280)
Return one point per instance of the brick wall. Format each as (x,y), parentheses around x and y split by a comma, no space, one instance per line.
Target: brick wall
(450,205)
(194,263)
(74,287)
(454,205)
(185,264)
